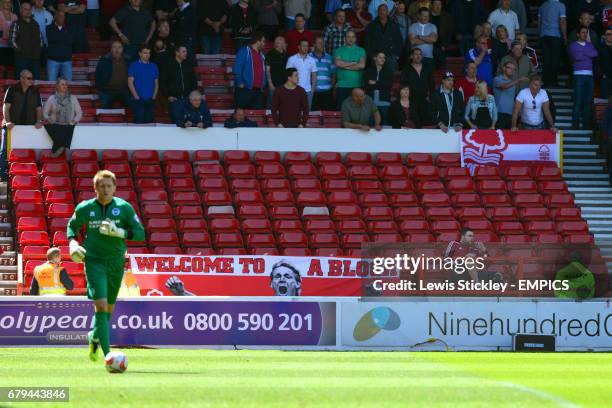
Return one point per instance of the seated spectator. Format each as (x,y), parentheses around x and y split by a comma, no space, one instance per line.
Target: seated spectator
(400,113)
(501,45)
(383,35)
(212,16)
(350,62)
(605,63)
(533,106)
(307,69)
(481,110)
(250,74)
(61,113)
(276,64)
(238,120)
(423,35)
(506,17)
(378,82)
(359,112)
(293,8)
(185,27)
(323,98)
(481,56)
(290,103)
(447,105)
(335,33)
(504,89)
(299,33)
(375,4)
(467,84)
(444,23)
(76,20)
(267,17)
(7,17)
(51,278)
(579,279)
(26,40)
(524,68)
(177,80)
(112,77)
(165,9)
(466,247)
(43,17)
(243,20)
(143,82)
(193,112)
(59,51)
(137,27)
(400,17)
(419,78)
(359,18)
(528,51)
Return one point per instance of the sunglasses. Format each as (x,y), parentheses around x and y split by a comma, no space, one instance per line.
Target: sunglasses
(533,104)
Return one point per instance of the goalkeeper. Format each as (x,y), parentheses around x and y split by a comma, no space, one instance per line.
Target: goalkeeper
(108,221)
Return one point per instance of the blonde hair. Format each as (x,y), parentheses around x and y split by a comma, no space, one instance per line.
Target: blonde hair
(52,253)
(482,90)
(102,174)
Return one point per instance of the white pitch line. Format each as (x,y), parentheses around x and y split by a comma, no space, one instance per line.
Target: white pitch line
(542,394)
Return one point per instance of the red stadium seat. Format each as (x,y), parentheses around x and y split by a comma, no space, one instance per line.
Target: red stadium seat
(387,238)
(210,156)
(256,226)
(252,211)
(528,200)
(150,184)
(552,187)
(496,200)
(297,157)
(516,239)
(147,171)
(522,187)
(435,200)
(84,169)
(167,250)
(31,224)
(341,198)
(287,226)
(566,214)
(540,227)
(195,239)
(509,228)
(228,240)
(535,214)
(322,225)
(440,213)
(59,169)
(145,157)
(156,211)
(216,198)
(264,251)
(430,186)
(503,214)
(120,169)
(466,200)
(548,238)
(377,213)
(495,186)
(471,213)
(461,185)
(517,173)
(58,224)
(115,156)
(192,225)
(46,156)
(83,155)
(185,198)
(27,183)
(29,210)
(383,227)
(311,199)
(248,197)
(454,172)
(328,252)
(486,173)
(414,227)
(448,160)
(351,226)
(261,240)
(368,186)
(404,200)
(394,171)
(262,156)
(354,240)
(188,212)
(423,172)
(280,198)
(247,184)
(292,240)
(236,156)
(324,240)
(572,227)
(241,170)
(184,184)
(213,184)
(160,225)
(373,200)
(563,200)
(296,252)
(27,196)
(38,238)
(332,171)
(61,210)
(177,169)
(298,185)
(175,156)
(271,170)
(420,238)
(23,169)
(154,196)
(363,172)
(34,252)
(447,236)
(346,212)
(398,186)
(328,157)
(22,156)
(415,159)
(445,226)
(209,170)
(353,158)
(302,170)
(284,213)
(337,185)
(60,238)
(547,173)
(388,158)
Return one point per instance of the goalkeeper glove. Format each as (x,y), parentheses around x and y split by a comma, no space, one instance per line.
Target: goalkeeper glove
(108,227)
(77,252)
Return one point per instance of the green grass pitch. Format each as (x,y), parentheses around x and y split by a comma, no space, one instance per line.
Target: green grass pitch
(205,378)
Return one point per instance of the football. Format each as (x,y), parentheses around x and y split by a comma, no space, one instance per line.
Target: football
(116,362)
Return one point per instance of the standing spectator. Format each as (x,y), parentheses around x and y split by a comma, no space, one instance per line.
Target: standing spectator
(212,15)
(108,8)
(415,6)
(42,16)
(423,35)
(293,8)
(267,17)
(481,56)
(528,51)
(444,23)
(185,27)
(59,51)
(7,17)
(378,82)
(359,112)
(290,104)
(467,84)
(22,106)
(593,7)
(137,27)
(163,34)
(506,17)
(76,20)
(375,4)
(605,63)
(359,18)
(585,20)
(501,46)
(299,33)
(165,9)
(61,113)
(193,112)
(447,105)
(161,54)
(552,25)
(93,13)
(243,21)
(276,63)
(26,39)
(419,78)
(332,5)
(582,54)
(400,17)
(177,80)
(467,14)
(524,68)
(481,110)
(383,35)
(238,120)
(334,34)
(326,71)
(250,74)
(533,106)
(504,89)
(350,62)
(112,77)
(307,70)
(143,82)
(401,114)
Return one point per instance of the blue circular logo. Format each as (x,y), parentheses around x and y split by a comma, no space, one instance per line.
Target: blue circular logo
(115,211)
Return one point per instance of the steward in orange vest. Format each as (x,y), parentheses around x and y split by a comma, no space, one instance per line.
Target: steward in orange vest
(51,278)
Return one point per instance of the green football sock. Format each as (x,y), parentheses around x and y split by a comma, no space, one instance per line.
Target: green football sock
(94,332)
(102,329)
(108,319)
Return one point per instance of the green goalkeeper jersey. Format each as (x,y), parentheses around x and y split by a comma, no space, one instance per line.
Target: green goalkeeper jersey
(91,213)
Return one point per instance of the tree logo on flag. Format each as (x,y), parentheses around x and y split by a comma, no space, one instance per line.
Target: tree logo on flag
(482,148)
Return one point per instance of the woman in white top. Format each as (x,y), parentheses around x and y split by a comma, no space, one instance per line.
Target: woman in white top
(61,113)
(481,110)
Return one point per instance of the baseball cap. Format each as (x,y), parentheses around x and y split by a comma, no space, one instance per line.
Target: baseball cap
(448,74)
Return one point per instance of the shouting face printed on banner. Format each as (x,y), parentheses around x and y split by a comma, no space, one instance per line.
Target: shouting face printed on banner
(285,279)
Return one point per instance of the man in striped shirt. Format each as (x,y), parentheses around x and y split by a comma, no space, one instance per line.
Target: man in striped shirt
(326,70)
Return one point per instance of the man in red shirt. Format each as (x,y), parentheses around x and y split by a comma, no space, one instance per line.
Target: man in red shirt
(467,84)
(290,103)
(466,247)
(250,74)
(295,36)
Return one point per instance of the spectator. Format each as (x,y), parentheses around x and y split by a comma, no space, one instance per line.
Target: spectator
(467,84)
(579,279)
(606,15)
(212,15)
(59,51)
(7,17)
(93,13)
(504,89)
(467,15)
(593,7)
(239,119)
(163,34)
(193,112)
(605,63)
(143,82)
(506,17)
(423,35)
(108,8)
(350,62)
(419,78)
(185,27)
(250,74)
(76,20)
(481,110)
(447,105)
(415,6)
(378,82)
(267,17)
(400,113)
(165,9)
(51,278)
(375,4)
(501,46)
(334,34)
(383,35)
(22,106)
(359,18)
(582,54)
(443,21)
(360,112)
(137,27)
(481,56)
(178,80)
(243,21)
(524,69)
(276,63)
(307,70)
(400,17)
(332,5)
(61,113)
(585,20)
(299,33)
(552,25)
(290,104)
(518,6)
(326,71)
(293,8)
(533,106)
(487,31)
(527,50)
(161,54)
(43,17)
(466,247)
(112,77)
(26,40)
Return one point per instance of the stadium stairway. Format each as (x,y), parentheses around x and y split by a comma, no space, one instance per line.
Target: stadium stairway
(8,263)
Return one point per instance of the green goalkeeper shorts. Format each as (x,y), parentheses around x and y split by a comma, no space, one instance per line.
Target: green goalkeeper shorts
(104,278)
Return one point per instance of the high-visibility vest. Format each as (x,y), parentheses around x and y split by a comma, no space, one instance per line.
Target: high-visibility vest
(129,286)
(48,277)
